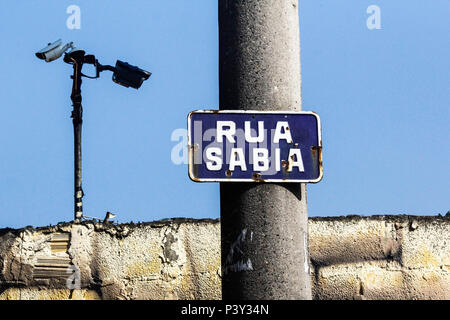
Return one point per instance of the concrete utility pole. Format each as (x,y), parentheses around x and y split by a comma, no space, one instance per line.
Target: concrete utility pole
(263,225)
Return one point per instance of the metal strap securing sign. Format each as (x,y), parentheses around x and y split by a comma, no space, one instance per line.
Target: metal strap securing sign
(254,146)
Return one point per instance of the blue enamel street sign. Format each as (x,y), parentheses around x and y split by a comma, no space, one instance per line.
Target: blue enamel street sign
(254,146)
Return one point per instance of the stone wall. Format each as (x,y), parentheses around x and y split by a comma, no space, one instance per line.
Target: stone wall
(378,257)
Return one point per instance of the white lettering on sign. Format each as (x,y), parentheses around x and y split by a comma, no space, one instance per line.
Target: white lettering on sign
(221,132)
(260,159)
(237,159)
(248,134)
(215,163)
(295,160)
(277,159)
(258,149)
(228,129)
(286,135)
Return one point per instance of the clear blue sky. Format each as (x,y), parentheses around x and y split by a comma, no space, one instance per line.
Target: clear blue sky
(383,97)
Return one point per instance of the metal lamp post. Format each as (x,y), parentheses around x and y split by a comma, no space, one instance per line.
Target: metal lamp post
(123,74)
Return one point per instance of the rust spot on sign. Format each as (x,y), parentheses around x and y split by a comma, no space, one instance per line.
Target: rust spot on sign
(257,177)
(316,153)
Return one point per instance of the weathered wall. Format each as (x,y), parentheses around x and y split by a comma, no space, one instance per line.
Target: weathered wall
(379,257)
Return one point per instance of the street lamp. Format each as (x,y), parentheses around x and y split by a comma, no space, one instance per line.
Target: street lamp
(123,74)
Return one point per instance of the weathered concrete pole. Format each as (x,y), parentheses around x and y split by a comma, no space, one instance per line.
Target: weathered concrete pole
(263,226)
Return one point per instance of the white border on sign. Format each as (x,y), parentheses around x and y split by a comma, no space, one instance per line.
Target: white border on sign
(190,162)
